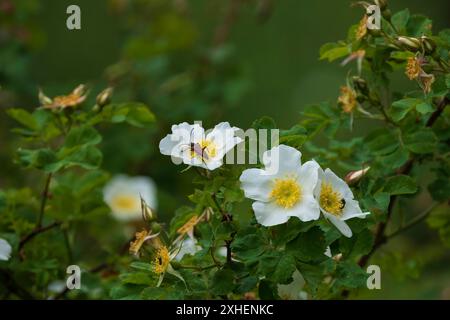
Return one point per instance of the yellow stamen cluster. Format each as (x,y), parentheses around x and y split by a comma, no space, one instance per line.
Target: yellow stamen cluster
(330,200)
(125,202)
(347,99)
(286,193)
(413,68)
(136,245)
(188,226)
(162,260)
(362,28)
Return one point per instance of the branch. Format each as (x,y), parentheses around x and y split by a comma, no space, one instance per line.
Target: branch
(36,232)
(380,237)
(44,201)
(223,31)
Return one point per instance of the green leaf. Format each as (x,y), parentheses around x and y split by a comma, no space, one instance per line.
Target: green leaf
(359,244)
(395,159)
(400,20)
(400,184)
(249,246)
(308,246)
(144,278)
(333,51)
(284,269)
(294,137)
(422,141)
(23,117)
(350,275)
(402,107)
(419,25)
(39,159)
(424,108)
(439,219)
(264,123)
(134,113)
(223,282)
(84,135)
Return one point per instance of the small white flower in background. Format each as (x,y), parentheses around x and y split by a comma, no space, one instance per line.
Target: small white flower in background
(192,146)
(123,195)
(5,250)
(293,290)
(188,247)
(284,193)
(336,201)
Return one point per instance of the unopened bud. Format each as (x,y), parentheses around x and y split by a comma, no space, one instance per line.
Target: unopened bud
(354,176)
(80,90)
(387,14)
(428,44)
(337,257)
(104,97)
(43,99)
(156,227)
(409,43)
(147,212)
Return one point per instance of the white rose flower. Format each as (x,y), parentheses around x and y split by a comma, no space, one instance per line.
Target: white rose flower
(188,246)
(336,201)
(5,250)
(293,290)
(192,146)
(285,192)
(123,195)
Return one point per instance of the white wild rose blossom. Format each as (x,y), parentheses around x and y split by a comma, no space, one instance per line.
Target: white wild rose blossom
(284,193)
(298,190)
(191,145)
(336,201)
(123,195)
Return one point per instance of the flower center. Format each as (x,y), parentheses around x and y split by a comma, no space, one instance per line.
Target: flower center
(210,148)
(162,260)
(125,202)
(330,200)
(286,193)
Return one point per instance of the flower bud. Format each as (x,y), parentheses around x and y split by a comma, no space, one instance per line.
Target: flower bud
(409,43)
(387,14)
(43,99)
(80,90)
(354,176)
(104,97)
(156,227)
(428,44)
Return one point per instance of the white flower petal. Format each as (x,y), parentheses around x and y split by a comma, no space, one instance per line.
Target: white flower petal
(5,250)
(337,184)
(293,290)
(282,159)
(268,214)
(188,247)
(308,176)
(256,184)
(306,210)
(352,210)
(340,225)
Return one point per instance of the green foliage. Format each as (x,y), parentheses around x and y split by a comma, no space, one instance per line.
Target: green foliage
(70,149)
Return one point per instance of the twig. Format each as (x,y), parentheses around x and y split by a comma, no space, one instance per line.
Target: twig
(223,31)
(36,232)
(43,201)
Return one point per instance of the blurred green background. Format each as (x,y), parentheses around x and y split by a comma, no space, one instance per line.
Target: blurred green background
(210,60)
